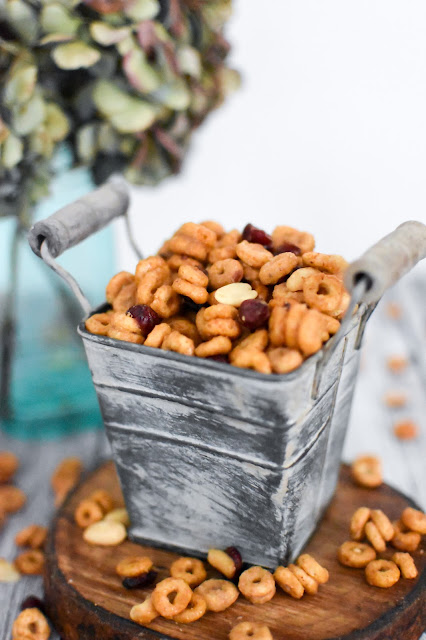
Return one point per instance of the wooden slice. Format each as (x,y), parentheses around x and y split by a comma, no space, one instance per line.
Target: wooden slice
(86,599)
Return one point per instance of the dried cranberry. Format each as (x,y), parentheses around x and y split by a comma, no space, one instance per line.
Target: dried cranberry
(146,317)
(236,557)
(32,602)
(253,234)
(219,358)
(144,580)
(288,247)
(253,314)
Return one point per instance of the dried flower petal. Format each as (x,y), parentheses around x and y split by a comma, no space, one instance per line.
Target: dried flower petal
(75,55)
(106,35)
(142,9)
(54,18)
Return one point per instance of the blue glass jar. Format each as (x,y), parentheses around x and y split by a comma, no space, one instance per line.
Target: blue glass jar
(51,392)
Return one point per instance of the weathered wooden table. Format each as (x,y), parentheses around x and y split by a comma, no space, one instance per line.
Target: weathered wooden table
(370,431)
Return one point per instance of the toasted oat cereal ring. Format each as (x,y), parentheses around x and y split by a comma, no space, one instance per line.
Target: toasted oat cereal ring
(257,585)
(310,335)
(406,565)
(149,284)
(104,500)
(278,325)
(383,524)
(222,561)
(255,255)
(30,562)
(263,292)
(219,345)
(313,568)
(12,499)
(218,594)
(33,536)
(302,239)
(191,570)
(149,264)
(222,253)
(355,554)
(218,320)
(358,522)
(116,284)
(296,314)
(406,429)
(333,264)
(125,336)
(294,283)
(175,261)
(282,294)
(414,520)
(374,536)
(382,573)
(367,471)
(332,325)
(144,613)
(166,301)
(179,343)
(31,625)
(106,533)
(250,631)
(406,541)
(256,340)
(158,335)
(284,360)
(65,477)
(88,512)
(125,299)
(185,326)
(134,566)
(323,292)
(194,611)
(196,293)
(8,466)
(280,266)
(309,584)
(98,323)
(288,582)
(225,272)
(171,596)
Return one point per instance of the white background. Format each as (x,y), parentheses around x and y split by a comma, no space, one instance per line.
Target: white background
(328,132)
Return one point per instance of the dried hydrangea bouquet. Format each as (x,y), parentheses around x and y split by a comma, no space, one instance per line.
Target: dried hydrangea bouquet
(123,83)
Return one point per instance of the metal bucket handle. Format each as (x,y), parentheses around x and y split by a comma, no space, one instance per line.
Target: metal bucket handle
(366,279)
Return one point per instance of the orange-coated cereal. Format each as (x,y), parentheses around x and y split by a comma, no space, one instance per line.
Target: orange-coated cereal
(162,591)
(414,520)
(133,566)
(374,536)
(31,625)
(355,554)
(358,522)
(382,573)
(194,611)
(313,568)
(257,585)
(289,582)
(30,562)
(12,499)
(191,570)
(218,594)
(34,536)
(406,429)
(8,465)
(367,471)
(250,631)
(406,565)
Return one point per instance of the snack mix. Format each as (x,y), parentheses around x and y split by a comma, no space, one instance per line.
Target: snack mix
(256,301)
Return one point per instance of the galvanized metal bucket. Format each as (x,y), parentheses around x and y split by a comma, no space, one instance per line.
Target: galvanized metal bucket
(209,455)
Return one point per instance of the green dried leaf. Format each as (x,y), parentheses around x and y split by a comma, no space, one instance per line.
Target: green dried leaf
(12,151)
(56,122)
(142,9)
(174,95)
(86,143)
(23,19)
(75,55)
(189,61)
(29,116)
(55,18)
(126,113)
(20,85)
(141,75)
(106,35)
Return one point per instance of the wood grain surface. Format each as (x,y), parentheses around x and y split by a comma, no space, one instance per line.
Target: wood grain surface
(86,599)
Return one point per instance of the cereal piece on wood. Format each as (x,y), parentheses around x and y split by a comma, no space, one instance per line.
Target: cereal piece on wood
(414,520)
(404,540)
(250,631)
(257,585)
(406,565)
(30,563)
(104,500)
(308,583)
(374,536)
(313,568)
(191,570)
(382,573)
(65,477)
(367,471)
(12,499)
(289,582)
(281,265)
(144,613)
(192,282)
(301,239)
(195,610)
(406,429)
(161,597)
(31,625)
(358,521)
(355,554)
(383,524)
(88,512)
(34,536)
(9,464)
(255,255)
(133,566)
(218,594)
